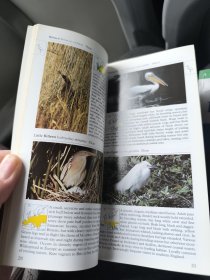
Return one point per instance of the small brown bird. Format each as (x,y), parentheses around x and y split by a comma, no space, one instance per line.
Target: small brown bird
(67,89)
(74,171)
(67,86)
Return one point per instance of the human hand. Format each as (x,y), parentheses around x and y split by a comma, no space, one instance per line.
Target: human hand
(10,169)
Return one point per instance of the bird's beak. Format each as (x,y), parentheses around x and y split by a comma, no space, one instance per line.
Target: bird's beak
(156,79)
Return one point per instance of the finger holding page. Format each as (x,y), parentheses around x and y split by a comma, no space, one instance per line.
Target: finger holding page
(10,169)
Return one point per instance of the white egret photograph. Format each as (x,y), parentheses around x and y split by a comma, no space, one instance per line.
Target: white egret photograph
(152,180)
(152,87)
(61,172)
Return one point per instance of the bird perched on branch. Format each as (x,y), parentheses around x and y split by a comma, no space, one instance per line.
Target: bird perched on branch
(74,171)
(136,178)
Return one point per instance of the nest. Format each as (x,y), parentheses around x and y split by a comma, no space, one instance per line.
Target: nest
(49,187)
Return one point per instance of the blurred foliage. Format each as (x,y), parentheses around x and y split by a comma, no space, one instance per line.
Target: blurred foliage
(170,184)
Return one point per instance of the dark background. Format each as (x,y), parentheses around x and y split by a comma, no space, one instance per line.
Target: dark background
(172,94)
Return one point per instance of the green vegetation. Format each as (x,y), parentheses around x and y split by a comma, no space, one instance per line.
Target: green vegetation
(170,184)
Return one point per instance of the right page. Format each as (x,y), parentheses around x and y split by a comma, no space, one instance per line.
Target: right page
(155,210)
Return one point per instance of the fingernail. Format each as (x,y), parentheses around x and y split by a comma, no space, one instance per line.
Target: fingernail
(8,166)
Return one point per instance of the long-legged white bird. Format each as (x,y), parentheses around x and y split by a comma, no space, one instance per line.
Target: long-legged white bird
(136,178)
(143,91)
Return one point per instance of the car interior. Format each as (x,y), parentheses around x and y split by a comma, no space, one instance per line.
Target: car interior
(125,28)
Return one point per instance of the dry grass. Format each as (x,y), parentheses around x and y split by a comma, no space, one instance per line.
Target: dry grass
(62,106)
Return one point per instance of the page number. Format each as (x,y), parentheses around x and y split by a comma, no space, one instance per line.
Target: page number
(193,265)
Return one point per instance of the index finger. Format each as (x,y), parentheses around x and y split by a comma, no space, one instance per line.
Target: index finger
(3,153)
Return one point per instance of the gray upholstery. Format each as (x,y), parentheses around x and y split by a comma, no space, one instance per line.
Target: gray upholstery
(187,22)
(139,22)
(182,21)
(12,33)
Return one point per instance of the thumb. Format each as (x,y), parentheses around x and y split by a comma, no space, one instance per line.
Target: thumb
(10,169)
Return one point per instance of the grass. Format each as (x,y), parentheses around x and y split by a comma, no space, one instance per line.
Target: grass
(61,107)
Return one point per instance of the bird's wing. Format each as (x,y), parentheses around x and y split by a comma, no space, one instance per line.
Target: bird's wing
(138,90)
(129,179)
(64,171)
(66,167)
(141,179)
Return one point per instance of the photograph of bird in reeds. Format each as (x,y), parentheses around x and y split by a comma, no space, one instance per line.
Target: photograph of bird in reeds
(153,180)
(61,172)
(152,87)
(65,89)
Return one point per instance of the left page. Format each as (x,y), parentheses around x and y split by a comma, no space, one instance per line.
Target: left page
(52,220)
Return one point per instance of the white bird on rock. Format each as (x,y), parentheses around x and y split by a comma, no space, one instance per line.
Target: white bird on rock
(145,90)
(74,171)
(136,178)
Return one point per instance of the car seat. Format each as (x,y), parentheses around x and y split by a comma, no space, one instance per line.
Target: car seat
(13,24)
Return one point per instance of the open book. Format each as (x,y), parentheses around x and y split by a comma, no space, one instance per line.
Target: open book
(127,185)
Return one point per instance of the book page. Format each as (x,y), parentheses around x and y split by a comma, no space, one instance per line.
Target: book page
(52,220)
(204,92)
(155,202)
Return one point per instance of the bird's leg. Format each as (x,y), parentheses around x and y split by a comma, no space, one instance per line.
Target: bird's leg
(68,188)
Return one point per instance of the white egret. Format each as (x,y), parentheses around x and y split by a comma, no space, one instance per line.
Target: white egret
(136,178)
